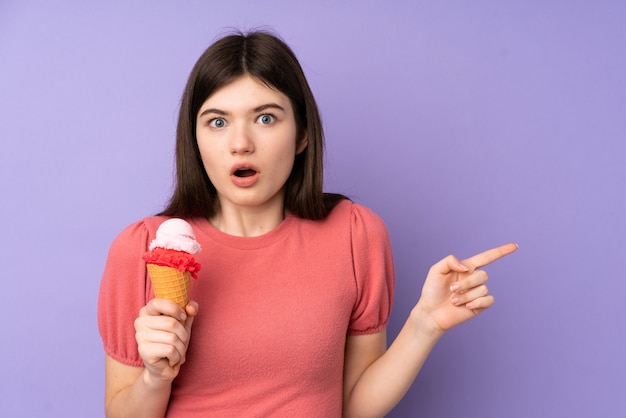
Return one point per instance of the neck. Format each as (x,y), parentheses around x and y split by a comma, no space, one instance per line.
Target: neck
(248,221)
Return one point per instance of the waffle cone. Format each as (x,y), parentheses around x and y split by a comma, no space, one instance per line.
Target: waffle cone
(170,283)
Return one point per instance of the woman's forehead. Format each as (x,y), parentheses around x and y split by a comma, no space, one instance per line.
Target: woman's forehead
(245,93)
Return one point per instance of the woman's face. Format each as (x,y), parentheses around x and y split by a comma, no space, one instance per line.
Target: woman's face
(246,134)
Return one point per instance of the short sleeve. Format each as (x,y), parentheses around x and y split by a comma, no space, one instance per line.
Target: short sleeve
(373,270)
(123,292)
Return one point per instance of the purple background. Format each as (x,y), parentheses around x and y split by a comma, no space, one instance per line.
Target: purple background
(463,124)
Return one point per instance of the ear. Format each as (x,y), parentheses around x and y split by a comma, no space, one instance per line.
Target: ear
(302,143)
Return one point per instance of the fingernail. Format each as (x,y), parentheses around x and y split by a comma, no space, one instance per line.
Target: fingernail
(463,267)
(455,301)
(455,287)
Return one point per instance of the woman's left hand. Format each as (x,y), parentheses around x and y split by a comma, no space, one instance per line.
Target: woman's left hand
(455,291)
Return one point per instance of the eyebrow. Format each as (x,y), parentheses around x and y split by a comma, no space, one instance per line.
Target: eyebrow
(255,110)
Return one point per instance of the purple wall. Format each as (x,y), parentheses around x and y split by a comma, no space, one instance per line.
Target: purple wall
(463,124)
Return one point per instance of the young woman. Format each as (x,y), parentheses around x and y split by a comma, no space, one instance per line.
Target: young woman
(291,305)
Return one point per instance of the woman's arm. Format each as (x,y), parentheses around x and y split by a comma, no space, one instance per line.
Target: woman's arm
(374,379)
(162,340)
(130,392)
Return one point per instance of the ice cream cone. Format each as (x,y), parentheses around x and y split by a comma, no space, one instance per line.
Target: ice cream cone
(170,283)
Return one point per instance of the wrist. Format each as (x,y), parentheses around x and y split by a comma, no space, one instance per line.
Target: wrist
(424,323)
(155,383)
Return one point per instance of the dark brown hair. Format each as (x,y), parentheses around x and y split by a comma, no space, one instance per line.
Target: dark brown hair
(268,59)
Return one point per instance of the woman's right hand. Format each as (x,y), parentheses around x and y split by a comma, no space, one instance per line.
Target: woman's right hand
(162,331)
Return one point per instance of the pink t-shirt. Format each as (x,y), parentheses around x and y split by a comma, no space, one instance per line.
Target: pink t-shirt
(274,313)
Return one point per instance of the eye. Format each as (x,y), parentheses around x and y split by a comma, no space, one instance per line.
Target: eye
(266,119)
(217,123)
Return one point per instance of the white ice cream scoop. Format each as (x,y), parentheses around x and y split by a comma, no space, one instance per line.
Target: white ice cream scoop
(176,234)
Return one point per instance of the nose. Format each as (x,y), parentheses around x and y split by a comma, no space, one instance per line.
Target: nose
(241,141)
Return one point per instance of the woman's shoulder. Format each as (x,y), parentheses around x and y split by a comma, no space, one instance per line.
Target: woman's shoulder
(141,232)
(352,209)
(356,215)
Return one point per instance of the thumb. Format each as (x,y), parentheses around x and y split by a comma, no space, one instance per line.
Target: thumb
(448,264)
(192,310)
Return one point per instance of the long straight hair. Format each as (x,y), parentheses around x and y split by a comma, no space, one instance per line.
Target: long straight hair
(268,59)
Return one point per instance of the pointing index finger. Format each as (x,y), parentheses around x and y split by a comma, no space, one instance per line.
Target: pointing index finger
(489,256)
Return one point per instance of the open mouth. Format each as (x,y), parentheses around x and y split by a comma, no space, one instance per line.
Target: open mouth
(244,172)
